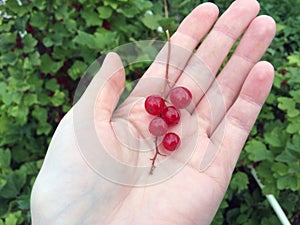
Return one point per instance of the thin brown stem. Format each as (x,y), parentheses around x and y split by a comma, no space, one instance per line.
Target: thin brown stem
(168,55)
(166,8)
(155,157)
(168,61)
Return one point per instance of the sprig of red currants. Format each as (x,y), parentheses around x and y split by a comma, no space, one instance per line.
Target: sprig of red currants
(166,116)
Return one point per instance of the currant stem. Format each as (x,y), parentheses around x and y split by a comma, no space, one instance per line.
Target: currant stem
(166,8)
(168,61)
(154,158)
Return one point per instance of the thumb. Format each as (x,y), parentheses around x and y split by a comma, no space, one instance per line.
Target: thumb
(104,91)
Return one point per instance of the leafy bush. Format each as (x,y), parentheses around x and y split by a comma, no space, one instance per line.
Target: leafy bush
(45,47)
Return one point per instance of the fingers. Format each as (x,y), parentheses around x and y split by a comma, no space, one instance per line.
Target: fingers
(227,85)
(226,31)
(188,35)
(104,91)
(216,47)
(231,134)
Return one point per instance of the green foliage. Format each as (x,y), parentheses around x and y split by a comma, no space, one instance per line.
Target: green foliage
(45,47)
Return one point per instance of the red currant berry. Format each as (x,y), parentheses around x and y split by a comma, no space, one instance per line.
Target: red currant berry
(158,127)
(154,105)
(171,141)
(180,97)
(171,115)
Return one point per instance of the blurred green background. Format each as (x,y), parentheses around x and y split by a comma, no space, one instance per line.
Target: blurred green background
(46,46)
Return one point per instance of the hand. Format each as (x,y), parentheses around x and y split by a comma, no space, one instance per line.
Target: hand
(75,187)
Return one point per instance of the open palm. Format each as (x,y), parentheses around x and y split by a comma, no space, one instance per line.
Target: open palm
(80,184)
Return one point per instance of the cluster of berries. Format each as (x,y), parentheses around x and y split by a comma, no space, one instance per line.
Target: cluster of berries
(167,116)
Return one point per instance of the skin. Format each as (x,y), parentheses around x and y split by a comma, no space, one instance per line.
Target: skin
(68,191)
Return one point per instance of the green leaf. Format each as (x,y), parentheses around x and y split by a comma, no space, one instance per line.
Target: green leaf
(17,96)
(20,112)
(287,182)
(294,59)
(294,167)
(289,105)
(114,5)
(29,43)
(41,114)
(24,202)
(29,168)
(39,19)
(52,85)
(47,41)
(276,138)
(143,5)
(11,219)
(167,23)
(4,124)
(34,59)
(287,157)
(62,52)
(5,157)
(286,103)
(16,8)
(21,22)
(84,38)
(150,21)
(15,181)
(39,4)
(279,27)
(43,99)
(71,25)
(7,41)
(77,69)
(5,27)
(2,88)
(58,98)
(271,98)
(19,154)
(9,58)
(16,73)
(280,168)
(48,65)
(104,39)
(239,181)
(34,83)
(104,12)
(253,131)
(26,64)
(7,98)
(61,12)
(60,32)
(295,95)
(294,144)
(30,99)
(257,151)
(91,17)
(14,218)
(294,127)
(267,220)
(128,11)
(44,128)
(3,182)
(224,204)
